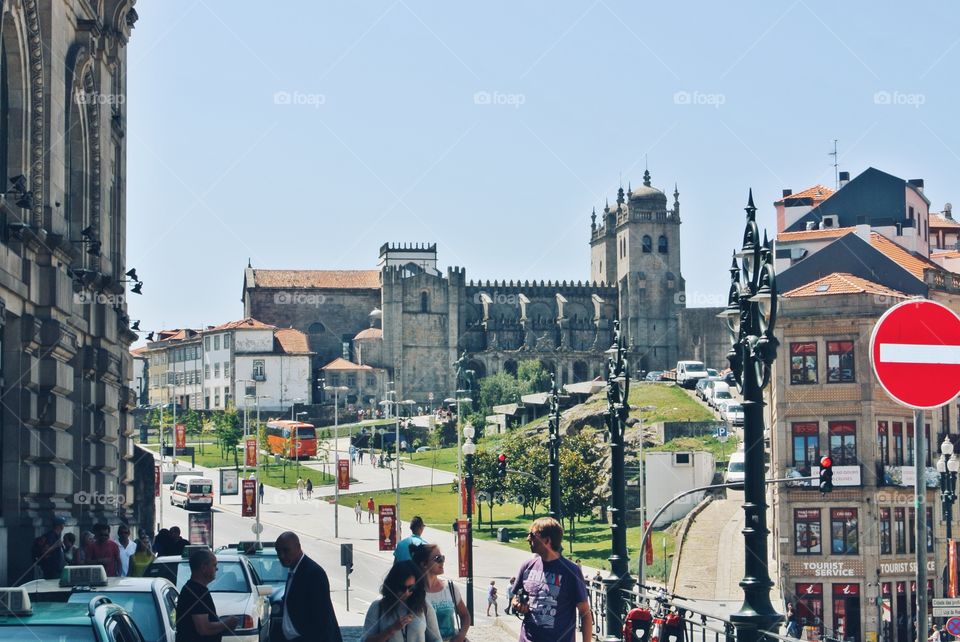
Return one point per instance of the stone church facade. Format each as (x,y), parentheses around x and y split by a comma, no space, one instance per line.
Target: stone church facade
(65,422)
(413,320)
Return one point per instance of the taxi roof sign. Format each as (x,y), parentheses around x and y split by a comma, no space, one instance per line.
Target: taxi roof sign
(190,548)
(15,601)
(93,575)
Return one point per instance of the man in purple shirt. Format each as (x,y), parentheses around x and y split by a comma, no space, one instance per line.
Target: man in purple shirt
(554,587)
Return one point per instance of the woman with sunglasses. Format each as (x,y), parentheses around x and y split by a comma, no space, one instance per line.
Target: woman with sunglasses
(402,614)
(442,595)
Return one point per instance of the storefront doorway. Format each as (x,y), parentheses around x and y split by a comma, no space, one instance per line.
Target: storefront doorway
(846,612)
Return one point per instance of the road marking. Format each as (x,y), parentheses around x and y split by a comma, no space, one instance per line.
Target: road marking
(919,353)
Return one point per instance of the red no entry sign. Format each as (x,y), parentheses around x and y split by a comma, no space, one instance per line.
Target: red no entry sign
(915,353)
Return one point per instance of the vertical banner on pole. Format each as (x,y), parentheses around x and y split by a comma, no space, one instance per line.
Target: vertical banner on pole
(249,508)
(463,541)
(201,528)
(952,588)
(343,474)
(387,527)
(463,498)
(180,442)
(251,453)
(648,547)
(156,480)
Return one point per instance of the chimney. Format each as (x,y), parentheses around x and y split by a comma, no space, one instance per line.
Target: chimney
(844,178)
(811,225)
(948,211)
(917,183)
(787,192)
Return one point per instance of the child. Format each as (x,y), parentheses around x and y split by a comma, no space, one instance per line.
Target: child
(492,599)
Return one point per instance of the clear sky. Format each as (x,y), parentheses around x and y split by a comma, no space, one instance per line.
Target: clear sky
(304,134)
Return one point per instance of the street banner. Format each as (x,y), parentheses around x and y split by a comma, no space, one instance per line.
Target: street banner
(251,453)
(249,508)
(648,547)
(229,481)
(387,527)
(463,498)
(952,588)
(181,437)
(343,474)
(463,549)
(156,480)
(201,528)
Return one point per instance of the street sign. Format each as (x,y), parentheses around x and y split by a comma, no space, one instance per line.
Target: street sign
(915,353)
(257,528)
(946,612)
(953,626)
(721,431)
(945,602)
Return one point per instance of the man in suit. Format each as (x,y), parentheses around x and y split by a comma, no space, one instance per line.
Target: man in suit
(307,609)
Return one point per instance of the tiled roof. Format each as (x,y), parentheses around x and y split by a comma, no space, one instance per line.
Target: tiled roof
(248,323)
(342,364)
(912,263)
(138,351)
(941,221)
(178,334)
(320,279)
(945,254)
(291,341)
(809,235)
(818,193)
(842,283)
(370,333)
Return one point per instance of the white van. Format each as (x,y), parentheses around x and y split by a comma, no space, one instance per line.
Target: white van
(192,492)
(690,372)
(718,392)
(735,469)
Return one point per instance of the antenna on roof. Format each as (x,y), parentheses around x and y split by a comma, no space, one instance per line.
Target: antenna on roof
(836,165)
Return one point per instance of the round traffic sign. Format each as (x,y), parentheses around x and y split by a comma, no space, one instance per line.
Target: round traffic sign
(953,626)
(915,353)
(257,528)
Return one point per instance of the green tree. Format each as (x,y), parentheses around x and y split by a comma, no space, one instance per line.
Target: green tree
(529,486)
(496,389)
(532,377)
(193,422)
(488,486)
(229,430)
(581,460)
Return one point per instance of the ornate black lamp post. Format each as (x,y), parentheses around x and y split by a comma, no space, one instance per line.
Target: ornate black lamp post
(554,443)
(750,316)
(947,466)
(619,582)
(469,450)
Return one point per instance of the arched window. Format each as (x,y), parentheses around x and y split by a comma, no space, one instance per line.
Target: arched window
(647,244)
(424,302)
(316,328)
(662,244)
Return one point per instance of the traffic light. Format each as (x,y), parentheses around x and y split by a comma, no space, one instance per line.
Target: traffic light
(502,466)
(826,475)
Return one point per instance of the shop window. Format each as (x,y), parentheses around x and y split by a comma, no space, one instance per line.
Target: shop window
(840,362)
(803,363)
(806,532)
(843,442)
(846,611)
(843,531)
(806,446)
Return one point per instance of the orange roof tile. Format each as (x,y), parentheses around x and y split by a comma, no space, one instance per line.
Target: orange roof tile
(370,333)
(810,235)
(842,283)
(818,193)
(946,254)
(292,341)
(248,323)
(138,351)
(342,364)
(941,221)
(320,279)
(910,262)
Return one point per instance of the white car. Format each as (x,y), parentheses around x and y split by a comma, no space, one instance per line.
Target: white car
(150,601)
(731,411)
(236,590)
(735,470)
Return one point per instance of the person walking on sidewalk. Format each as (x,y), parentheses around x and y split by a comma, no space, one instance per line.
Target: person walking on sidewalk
(508,609)
(359,511)
(300,487)
(370,506)
(442,594)
(492,599)
(405,546)
(554,587)
(309,489)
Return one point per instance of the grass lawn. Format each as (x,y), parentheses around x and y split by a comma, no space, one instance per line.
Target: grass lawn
(721,451)
(442,459)
(437,506)
(271,473)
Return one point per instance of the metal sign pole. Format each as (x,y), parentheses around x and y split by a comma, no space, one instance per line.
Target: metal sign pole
(920,503)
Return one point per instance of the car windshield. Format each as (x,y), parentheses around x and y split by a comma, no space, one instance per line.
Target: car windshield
(695,366)
(307,433)
(140,605)
(47,633)
(723,394)
(269,569)
(230,577)
(734,407)
(735,467)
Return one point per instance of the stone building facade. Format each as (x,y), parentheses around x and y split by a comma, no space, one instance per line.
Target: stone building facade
(65,424)
(414,320)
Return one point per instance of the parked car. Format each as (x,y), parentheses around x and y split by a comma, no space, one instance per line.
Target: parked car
(689,372)
(653,375)
(264,560)
(735,469)
(729,378)
(423,449)
(96,620)
(150,601)
(718,392)
(192,492)
(703,386)
(732,412)
(236,590)
(711,372)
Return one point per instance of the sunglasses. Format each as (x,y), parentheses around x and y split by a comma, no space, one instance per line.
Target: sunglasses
(439,559)
(533,534)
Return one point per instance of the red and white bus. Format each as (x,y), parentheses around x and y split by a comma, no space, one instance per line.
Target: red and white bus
(292,439)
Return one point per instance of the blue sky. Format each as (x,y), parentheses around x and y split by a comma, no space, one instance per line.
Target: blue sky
(304,134)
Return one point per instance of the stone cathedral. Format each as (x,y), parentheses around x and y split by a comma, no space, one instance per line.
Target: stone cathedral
(413,320)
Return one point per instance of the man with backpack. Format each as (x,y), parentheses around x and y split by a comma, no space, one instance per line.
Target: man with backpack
(48,550)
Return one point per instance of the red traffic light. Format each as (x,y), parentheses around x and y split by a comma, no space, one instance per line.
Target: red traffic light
(826,462)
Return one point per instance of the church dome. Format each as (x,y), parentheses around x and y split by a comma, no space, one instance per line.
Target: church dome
(647,194)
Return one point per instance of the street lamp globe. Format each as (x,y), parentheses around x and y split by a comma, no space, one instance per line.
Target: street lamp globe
(468,431)
(946,447)
(953,464)
(942,464)
(469,449)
